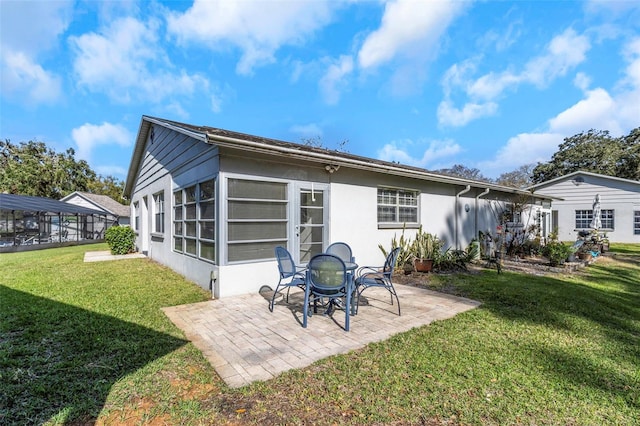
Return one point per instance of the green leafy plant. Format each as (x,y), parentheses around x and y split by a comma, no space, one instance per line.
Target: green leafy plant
(405,256)
(556,251)
(121,239)
(426,245)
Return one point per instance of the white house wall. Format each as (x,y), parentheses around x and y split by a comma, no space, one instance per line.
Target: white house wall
(173,160)
(622,197)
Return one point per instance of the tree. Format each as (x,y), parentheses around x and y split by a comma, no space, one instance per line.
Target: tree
(629,165)
(594,151)
(458,170)
(109,186)
(519,178)
(32,168)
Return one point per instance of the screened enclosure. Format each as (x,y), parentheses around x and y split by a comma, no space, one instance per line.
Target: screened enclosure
(35,221)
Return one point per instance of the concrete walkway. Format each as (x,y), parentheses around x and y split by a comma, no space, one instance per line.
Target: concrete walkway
(101,256)
(245,342)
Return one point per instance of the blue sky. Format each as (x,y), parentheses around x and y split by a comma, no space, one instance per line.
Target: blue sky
(487,84)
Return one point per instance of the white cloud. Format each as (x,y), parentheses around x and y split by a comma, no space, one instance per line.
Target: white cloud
(436,151)
(599,109)
(32,28)
(258,29)
(525,148)
(449,115)
(22,43)
(595,111)
(563,53)
(23,79)
(409,28)
(111,171)
(334,79)
(125,61)
(88,136)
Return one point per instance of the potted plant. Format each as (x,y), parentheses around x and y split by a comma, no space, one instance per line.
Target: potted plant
(426,248)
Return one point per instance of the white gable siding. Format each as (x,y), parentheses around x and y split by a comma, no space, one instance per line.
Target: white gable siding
(620,196)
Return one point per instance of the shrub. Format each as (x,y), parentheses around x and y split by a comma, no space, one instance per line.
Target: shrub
(557,252)
(121,239)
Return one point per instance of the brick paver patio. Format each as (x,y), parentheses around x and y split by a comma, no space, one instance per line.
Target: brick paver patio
(246,342)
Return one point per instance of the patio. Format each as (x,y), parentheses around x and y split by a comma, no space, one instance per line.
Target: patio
(245,342)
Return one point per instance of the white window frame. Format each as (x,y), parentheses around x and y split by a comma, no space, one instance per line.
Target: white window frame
(583,218)
(636,222)
(136,216)
(158,212)
(399,194)
(187,231)
(231,221)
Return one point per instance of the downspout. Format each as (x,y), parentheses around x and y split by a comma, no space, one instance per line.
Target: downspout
(464,191)
(482,194)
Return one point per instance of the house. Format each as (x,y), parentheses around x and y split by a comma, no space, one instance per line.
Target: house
(573,210)
(213,204)
(114,212)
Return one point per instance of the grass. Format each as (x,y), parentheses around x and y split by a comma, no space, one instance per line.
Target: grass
(87,343)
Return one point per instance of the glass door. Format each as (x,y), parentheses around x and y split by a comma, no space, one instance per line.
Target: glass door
(311,223)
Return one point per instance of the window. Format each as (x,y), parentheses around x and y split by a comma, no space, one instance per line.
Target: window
(257,219)
(397,206)
(158,204)
(194,220)
(136,216)
(636,222)
(606,216)
(583,219)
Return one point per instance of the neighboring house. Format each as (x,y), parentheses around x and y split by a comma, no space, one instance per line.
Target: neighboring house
(213,204)
(115,213)
(573,210)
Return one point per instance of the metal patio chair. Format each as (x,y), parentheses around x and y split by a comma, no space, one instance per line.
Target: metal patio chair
(342,250)
(378,276)
(290,274)
(327,278)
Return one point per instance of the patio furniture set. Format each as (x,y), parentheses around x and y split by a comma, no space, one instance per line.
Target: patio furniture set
(333,279)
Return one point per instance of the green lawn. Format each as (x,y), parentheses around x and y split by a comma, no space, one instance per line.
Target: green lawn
(87,343)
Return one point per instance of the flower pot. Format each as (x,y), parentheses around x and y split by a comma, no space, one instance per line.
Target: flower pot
(585,256)
(423,265)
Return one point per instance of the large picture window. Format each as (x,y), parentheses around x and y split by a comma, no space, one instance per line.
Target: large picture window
(194,220)
(397,206)
(257,219)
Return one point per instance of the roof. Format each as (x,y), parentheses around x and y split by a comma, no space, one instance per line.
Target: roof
(41,204)
(230,139)
(104,202)
(580,172)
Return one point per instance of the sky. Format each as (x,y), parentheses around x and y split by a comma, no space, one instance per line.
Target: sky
(491,85)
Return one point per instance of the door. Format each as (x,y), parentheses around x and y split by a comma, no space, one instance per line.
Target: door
(311,225)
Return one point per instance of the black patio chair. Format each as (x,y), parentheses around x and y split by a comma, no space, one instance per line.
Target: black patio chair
(378,276)
(327,278)
(290,274)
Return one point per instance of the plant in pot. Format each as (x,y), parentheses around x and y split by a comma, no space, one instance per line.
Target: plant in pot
(426,248)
